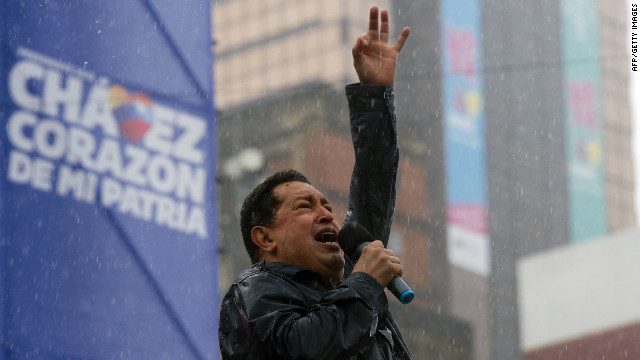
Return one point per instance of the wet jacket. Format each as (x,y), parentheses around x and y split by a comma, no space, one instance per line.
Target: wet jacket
(284,311)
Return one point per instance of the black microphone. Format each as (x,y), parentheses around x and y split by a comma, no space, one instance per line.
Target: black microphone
(352,238)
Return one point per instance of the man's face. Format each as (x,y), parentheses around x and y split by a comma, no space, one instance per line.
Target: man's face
(306,232)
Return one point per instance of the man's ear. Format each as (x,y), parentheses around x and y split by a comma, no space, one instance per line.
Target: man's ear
(260,237)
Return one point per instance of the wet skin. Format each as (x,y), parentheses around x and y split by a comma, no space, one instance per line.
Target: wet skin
(304,232)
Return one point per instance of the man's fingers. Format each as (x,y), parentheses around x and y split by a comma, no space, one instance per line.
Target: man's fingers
(401,40)
(373,23)
(379,262)
(396,265)
(355,50)
(377,244)
(358,49)
(384,26)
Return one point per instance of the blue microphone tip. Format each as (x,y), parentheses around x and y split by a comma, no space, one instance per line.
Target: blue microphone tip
(407,296)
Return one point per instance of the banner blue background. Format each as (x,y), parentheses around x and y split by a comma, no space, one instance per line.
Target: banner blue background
(464,136)
(82,278)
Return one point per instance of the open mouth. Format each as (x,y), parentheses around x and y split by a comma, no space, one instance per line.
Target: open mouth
(327,236)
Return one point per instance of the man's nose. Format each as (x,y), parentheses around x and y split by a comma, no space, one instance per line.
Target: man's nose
(325,215)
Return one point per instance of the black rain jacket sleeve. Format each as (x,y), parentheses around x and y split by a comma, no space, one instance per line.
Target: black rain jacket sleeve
(282,311)
(372,194)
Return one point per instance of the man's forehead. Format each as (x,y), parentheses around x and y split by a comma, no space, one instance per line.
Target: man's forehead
(295,190)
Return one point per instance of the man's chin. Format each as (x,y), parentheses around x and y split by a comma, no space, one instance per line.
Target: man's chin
(333,272)
(335,278)
(338,273)
(338,264)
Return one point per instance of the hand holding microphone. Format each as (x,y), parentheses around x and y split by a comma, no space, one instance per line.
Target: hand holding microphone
(373,259)
(378,262)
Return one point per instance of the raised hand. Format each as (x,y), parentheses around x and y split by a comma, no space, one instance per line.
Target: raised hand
(374,60)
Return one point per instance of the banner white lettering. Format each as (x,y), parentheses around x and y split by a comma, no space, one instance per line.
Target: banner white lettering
(96,142)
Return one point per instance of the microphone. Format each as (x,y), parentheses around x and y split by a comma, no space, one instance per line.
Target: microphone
(352,238)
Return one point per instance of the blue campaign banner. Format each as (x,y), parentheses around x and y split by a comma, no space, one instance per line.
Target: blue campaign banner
(584,129)
(464,136)
(107,201)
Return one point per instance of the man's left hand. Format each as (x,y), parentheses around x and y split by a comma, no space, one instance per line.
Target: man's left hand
(374,60)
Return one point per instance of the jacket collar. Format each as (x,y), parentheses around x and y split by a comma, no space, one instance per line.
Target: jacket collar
(295,272)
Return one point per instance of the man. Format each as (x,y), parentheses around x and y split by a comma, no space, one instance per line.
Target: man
(301,299)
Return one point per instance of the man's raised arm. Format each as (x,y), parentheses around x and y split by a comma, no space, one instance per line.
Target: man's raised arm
(373,128)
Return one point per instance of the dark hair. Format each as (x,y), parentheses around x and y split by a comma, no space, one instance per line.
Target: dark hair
(260,207)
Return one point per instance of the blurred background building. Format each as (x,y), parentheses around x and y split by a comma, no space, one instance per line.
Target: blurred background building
(580,301)
(515,139)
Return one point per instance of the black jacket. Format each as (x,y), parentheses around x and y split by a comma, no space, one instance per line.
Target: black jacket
(283,311)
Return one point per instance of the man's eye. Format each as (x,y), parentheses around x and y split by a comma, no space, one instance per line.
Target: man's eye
(304,206)
(329,208)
